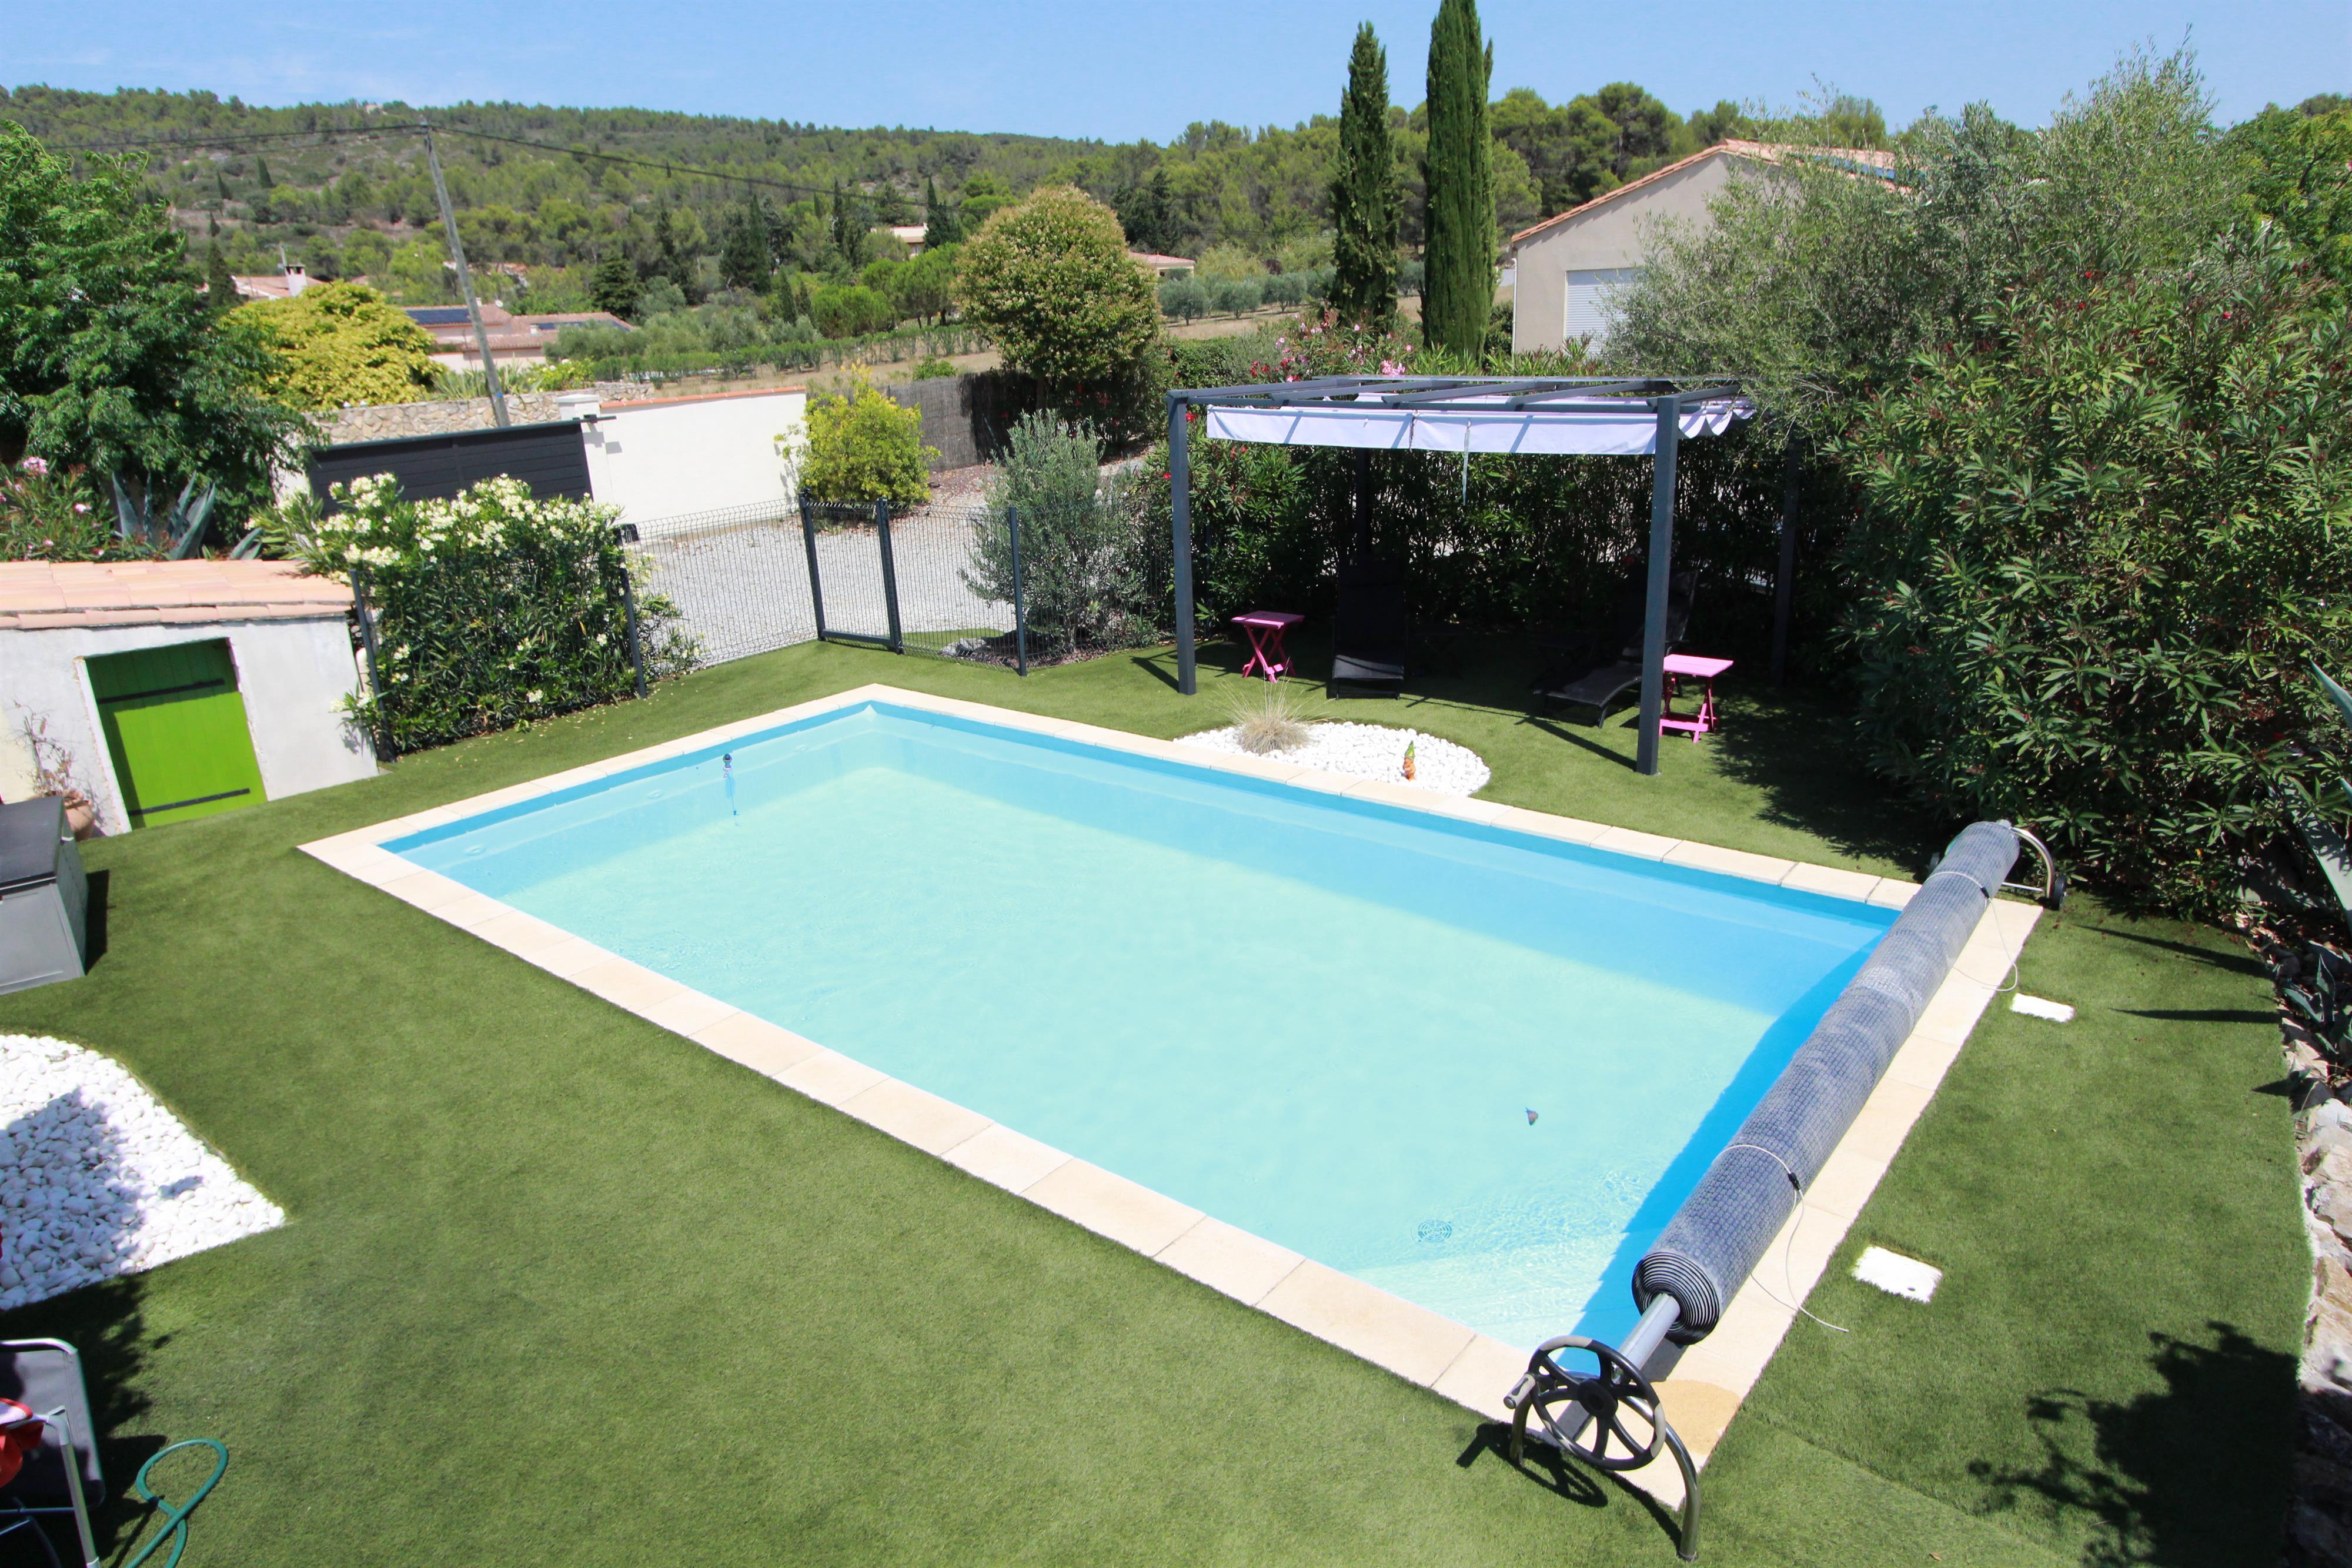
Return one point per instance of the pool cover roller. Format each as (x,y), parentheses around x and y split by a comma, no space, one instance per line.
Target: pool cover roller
(1730,1217)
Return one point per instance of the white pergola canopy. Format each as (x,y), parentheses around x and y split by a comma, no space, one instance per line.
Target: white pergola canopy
(1483,425)
(1461,416)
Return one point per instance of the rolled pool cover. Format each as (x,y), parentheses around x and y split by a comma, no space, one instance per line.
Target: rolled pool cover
(1708,1251)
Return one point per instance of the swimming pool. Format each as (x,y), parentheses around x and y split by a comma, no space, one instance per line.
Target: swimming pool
(1475,1067)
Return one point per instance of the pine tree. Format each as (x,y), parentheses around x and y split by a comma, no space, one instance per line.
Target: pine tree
(220,287)
(1458,293)
(615,288)
(942,224)
(743,253)
(1364,193)
(1147,211)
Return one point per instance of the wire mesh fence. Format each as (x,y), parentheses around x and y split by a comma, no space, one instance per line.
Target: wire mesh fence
(749,580)
(738,577)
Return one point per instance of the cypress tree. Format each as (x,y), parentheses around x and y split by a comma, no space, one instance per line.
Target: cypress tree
(1364,193)
(220,287)
(844,240)
(1459,292)
(942,224)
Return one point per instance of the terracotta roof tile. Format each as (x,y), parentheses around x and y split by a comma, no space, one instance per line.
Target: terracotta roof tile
(37,595)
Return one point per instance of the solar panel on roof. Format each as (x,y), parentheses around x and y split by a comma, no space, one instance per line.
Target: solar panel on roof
(437,315)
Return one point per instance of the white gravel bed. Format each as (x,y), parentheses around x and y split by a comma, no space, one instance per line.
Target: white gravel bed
(97,1179)
(1371,751)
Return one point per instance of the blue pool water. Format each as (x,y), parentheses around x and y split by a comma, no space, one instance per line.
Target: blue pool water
(1322,1020)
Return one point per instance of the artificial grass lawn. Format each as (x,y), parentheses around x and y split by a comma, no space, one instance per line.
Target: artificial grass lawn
(558,1287)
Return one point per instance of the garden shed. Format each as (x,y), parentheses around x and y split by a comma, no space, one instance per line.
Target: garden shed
(166,690)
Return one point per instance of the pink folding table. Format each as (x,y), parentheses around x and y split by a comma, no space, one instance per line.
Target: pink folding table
(1704,671)
(1264,629)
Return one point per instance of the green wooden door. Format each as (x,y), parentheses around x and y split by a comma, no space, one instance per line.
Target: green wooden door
(175,727)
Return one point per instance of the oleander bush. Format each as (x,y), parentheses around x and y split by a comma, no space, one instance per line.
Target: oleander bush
(491,609)
(56,514)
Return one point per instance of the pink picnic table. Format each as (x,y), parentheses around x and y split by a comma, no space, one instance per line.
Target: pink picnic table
(1264,629)
(1693,667)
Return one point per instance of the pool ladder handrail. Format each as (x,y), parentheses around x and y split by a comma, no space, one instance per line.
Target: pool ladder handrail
(1564,1431)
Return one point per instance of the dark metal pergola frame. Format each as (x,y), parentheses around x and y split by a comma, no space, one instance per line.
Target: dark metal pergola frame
(1484,395)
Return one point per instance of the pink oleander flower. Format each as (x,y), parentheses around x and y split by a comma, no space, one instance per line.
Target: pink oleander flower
(82,507)
(1391,367)
(39,468)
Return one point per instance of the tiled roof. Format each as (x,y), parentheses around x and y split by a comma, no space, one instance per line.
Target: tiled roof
(38,594)
(1762,152)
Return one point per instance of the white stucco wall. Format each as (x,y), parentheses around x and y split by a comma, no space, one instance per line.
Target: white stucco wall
(293,674)
(1611,239)
(696,455)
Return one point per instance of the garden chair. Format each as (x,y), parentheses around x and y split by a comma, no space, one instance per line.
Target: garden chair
(1594,668)
(62,1476)
(1372,629)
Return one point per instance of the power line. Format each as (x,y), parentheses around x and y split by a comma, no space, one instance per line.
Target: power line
(331,132)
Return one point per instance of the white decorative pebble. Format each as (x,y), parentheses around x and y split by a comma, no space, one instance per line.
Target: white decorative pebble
(97,1179)
(1371,751)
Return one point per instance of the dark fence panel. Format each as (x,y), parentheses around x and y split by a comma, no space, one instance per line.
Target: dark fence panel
(550,458)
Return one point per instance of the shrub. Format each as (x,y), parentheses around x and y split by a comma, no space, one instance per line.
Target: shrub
(934,369)
(1078,535)
(491,609)
(862,446)
(2104,541)
(850,310)
(1051,279)
(340,345)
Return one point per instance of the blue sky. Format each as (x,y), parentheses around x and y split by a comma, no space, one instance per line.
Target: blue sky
(1118,70)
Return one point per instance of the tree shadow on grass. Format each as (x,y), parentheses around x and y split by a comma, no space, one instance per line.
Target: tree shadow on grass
(1548,1467)
(2237,963)
(106,1323)
(2193,1474)
(1802,753)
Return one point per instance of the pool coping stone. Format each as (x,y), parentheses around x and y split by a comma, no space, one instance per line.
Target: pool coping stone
(1701,1391)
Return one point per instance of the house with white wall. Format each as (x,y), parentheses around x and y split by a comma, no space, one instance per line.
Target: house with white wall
(671,456)
(1565,268)
(162,690)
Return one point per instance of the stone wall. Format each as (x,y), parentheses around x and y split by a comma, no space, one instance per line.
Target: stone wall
(2319,1518)
(386,422)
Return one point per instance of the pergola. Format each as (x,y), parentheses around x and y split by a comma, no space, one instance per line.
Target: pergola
(1564,415)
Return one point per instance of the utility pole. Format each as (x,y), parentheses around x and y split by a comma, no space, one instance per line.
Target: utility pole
(465,280)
